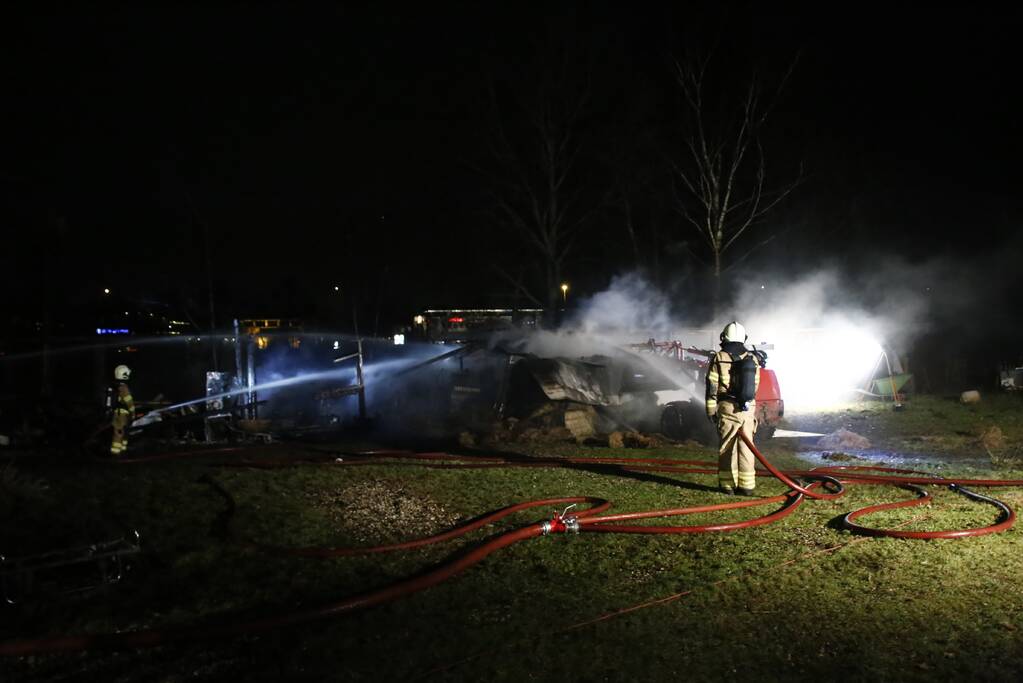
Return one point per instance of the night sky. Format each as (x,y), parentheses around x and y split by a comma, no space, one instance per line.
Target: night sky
(318,145)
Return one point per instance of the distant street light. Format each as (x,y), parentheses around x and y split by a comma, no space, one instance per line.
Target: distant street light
(106,290)
(337,288)
(564,293)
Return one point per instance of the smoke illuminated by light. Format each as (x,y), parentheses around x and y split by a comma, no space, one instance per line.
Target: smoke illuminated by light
(821,367)
(822,342)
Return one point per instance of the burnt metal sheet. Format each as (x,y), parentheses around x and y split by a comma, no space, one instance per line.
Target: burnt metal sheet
(597,380)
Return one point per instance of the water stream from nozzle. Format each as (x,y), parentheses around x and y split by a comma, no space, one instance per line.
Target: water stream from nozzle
(374,370)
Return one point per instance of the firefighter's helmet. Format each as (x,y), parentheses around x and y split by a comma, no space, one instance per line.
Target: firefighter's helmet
(122,373)
(734,332)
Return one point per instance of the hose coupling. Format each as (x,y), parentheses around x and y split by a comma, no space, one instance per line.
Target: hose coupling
(560,522)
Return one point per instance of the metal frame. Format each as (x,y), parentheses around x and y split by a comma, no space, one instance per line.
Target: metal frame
(23,572)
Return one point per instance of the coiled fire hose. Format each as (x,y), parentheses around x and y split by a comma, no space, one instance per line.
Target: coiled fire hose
(590,519)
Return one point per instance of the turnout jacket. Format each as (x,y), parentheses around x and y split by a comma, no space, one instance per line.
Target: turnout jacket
(119,399)
(719,377)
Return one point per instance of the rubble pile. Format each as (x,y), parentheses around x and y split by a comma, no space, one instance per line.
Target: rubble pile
(566,422)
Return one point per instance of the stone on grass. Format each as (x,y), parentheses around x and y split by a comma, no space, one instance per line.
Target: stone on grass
(842,440)
(971,396)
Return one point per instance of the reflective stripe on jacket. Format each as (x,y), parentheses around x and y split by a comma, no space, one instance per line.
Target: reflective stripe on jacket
(719,379)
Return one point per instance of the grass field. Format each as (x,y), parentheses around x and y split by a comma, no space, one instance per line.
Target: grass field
(792,600)
(931,424)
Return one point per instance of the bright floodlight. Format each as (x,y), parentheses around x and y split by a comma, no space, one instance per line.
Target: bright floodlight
(822,367)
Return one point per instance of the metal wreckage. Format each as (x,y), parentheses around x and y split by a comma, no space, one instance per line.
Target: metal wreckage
(630,392)
(495,388)
(486,382)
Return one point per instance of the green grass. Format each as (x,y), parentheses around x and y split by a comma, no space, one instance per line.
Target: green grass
(766,603)
(930,424)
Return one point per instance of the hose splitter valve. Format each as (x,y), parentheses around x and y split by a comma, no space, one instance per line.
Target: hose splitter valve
(560,523)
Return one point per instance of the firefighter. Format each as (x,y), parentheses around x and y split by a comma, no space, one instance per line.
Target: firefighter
(121,408)
(732,380)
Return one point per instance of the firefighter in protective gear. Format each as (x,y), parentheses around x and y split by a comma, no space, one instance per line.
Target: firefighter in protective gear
(121,408)
(728,412)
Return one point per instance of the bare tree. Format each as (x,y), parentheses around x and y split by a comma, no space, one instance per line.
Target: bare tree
(721,178)
(535,188)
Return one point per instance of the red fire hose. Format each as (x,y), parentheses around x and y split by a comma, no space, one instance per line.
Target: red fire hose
(591,519)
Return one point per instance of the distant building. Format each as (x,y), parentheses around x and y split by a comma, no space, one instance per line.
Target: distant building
(459,325)
(262,328)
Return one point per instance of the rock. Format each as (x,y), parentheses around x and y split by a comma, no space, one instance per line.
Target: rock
(466,440)
(581,421)
(992,437)
(843,439)
(972,396)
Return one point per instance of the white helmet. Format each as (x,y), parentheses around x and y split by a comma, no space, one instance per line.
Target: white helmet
(734,332)
(122,373)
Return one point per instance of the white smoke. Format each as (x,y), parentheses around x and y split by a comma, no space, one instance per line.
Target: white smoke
(824,331)
(820,341)
(631,310)
(631,306)
(824,334)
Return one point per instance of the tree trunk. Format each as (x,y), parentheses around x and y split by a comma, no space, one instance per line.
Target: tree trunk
(632,234)
(717,283)
(553,275)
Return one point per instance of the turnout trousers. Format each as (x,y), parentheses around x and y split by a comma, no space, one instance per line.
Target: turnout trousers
(735,460)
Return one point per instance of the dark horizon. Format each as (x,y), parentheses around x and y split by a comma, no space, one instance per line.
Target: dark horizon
(322,146)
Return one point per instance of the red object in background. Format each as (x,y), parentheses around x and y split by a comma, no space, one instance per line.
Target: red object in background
(770,406)
(456,320)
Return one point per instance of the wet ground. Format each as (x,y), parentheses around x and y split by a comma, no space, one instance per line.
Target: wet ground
(815,457)
(927,433)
